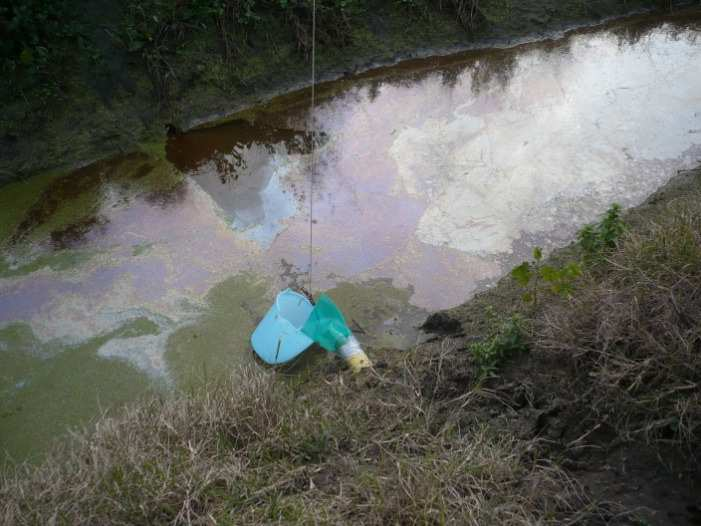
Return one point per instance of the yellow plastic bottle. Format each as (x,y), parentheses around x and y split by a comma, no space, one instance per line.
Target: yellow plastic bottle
(354,356)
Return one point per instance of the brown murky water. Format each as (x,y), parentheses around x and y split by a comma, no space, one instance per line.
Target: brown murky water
(434,178)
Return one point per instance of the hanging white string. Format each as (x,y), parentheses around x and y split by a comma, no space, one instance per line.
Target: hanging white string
(313,163)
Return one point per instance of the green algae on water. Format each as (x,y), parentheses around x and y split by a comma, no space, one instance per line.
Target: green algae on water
(17,198)
(58,261)
(378,313)
(219,340)
(62,208)
(45,390)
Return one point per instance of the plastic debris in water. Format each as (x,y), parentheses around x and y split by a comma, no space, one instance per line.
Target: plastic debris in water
(293,324)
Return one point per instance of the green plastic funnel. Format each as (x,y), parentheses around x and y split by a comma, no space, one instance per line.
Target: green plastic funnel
(326,325)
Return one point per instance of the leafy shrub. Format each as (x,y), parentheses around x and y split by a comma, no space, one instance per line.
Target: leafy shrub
(333,21)
(157,28)
(594,239)
(33,37)
(506,340)
(559,280)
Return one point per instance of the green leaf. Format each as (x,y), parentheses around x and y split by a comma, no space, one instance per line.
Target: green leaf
(549,274)
(26,57)
(522,274)
(589,240)
(562,288)
(537,253)
(572,270)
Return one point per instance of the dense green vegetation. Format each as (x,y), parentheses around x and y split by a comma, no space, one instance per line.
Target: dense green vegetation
(157,29)
(36,34)
(42,37)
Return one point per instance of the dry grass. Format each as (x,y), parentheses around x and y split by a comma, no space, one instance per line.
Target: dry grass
(634,327)
(261,450)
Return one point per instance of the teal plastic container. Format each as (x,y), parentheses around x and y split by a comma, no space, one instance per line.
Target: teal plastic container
(279,337)
(326,325)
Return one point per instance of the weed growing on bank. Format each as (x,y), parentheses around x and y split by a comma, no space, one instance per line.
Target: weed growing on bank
(506,340)
(629,314)
(532,274)
(594,241)
(597,238)
(633,325)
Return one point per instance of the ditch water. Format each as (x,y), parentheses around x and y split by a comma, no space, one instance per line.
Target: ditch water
(435,177)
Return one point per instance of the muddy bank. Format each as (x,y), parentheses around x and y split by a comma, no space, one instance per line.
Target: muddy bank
(113,108)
